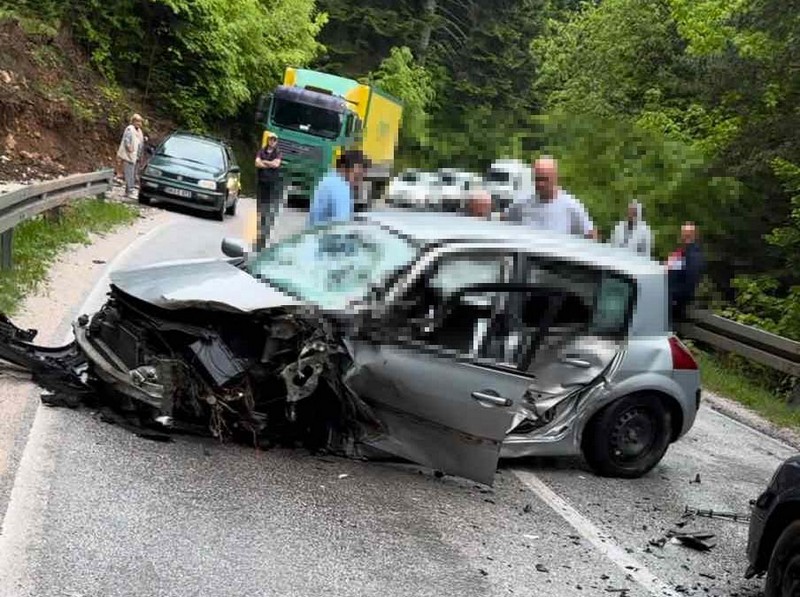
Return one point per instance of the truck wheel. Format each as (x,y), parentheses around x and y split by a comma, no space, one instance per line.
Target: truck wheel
(783,574)
(628,437)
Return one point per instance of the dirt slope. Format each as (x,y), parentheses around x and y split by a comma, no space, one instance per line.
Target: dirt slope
(57,114)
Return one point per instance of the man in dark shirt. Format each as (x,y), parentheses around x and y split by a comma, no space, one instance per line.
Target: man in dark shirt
(268,163)
(685,266)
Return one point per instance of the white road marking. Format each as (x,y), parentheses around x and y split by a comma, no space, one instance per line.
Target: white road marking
(30,491)
(601,541)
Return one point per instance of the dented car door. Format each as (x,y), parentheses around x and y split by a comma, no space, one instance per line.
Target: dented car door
(583,335)
(440,406)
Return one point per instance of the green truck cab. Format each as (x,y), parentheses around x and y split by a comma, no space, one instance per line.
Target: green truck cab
(318,115)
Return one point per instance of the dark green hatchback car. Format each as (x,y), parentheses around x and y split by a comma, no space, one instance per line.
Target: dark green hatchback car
(193,171)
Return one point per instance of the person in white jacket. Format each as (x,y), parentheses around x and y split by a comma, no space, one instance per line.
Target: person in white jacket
(130,150)
(633,233)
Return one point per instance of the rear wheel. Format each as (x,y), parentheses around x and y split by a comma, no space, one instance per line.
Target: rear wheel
(783,574)
(628,437)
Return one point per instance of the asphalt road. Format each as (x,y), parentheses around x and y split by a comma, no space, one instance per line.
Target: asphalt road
(95,511)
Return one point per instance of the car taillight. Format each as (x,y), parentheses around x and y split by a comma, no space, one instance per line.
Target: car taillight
(682,359)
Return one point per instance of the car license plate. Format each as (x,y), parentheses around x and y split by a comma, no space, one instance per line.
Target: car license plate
(177,192)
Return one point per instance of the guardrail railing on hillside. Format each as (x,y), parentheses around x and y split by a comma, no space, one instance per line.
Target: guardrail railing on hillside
(751,343)
(33,200)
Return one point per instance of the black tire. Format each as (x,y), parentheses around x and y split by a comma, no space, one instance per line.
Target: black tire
(783,573)
(143,199)
(628,437)
(231,211)
(219,214)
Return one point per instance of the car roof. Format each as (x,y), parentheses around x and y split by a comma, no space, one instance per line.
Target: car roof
(198,137)
(433,228)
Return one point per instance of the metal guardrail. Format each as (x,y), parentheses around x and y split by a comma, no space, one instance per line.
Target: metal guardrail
(751,343)
(29,201)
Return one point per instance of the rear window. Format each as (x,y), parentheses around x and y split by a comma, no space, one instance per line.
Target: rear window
(194,150)
(603,298)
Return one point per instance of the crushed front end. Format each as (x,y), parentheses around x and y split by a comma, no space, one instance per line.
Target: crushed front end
(263,378)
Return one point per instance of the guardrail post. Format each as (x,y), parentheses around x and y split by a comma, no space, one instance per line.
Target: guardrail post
(6,248)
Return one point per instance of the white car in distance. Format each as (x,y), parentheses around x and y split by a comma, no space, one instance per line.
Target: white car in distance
(411,188)
(453,189)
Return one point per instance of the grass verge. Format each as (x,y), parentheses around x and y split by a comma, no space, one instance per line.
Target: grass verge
(37,243)
(745,389)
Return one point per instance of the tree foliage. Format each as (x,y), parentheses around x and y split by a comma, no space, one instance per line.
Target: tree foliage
(400,75)
(199,60)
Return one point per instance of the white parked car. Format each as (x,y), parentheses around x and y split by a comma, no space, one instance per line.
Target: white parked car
(453,188)
(411,188)
(506,180)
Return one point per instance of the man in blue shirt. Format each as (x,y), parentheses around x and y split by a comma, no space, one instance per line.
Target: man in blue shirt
(333,197)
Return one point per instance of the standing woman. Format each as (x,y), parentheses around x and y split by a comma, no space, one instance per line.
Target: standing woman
(129,152)
(268,163)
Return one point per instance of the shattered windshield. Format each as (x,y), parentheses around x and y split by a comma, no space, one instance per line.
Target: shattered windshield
(335,265)
(305,118)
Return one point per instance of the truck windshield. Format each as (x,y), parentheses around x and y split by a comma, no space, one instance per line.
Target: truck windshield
(334,265)
(305,118)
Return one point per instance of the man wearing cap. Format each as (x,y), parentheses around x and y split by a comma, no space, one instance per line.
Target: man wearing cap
(333,197)
(268,196)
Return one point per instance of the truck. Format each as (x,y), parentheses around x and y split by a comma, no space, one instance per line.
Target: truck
(506,180)
(318,115)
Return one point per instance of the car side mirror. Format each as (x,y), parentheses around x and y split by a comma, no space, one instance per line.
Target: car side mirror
(234,247)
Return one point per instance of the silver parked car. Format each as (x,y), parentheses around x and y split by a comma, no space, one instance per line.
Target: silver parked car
(444,340)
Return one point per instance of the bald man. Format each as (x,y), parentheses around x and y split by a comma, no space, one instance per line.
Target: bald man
(552,209)
(685,266)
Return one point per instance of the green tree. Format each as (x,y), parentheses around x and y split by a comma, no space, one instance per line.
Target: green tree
(401,76)
(202,60)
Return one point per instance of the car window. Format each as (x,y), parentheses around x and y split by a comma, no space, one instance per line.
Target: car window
(597,300)
(453,273)
(439,311)
(231,157)
(194,150)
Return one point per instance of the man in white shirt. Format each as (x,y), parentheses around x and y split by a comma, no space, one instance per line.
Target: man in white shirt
(552,208)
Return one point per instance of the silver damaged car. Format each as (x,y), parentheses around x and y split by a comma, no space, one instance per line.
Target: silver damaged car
(444,340)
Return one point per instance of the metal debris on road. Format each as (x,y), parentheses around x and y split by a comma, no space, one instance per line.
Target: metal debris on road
(734,516)
(700,541)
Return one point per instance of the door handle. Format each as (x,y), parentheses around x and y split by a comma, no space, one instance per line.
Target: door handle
(491,397)
(576,362)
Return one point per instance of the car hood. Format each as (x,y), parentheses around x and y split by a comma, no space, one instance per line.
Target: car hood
(183,167)
(206,283)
